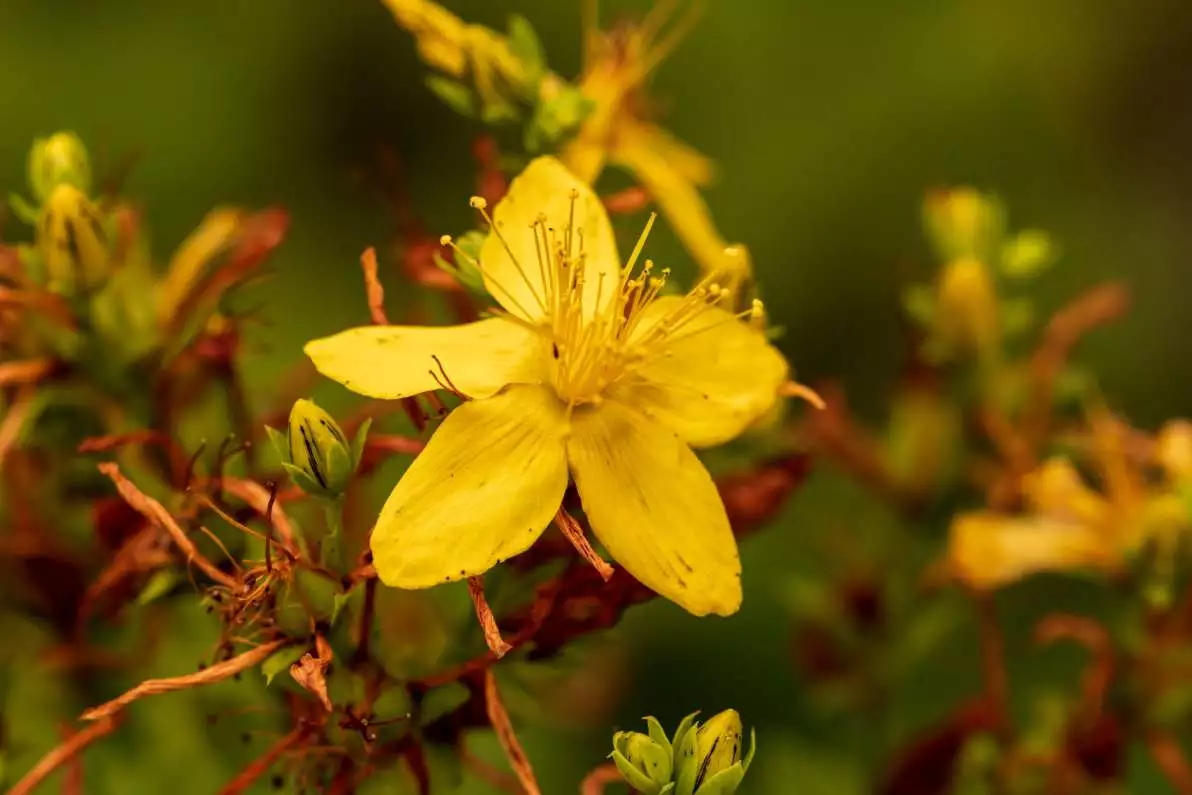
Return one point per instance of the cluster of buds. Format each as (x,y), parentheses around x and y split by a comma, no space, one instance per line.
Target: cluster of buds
(963,311)
(701,759)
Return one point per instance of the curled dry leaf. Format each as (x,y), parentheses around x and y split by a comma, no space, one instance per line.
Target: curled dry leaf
(311,671)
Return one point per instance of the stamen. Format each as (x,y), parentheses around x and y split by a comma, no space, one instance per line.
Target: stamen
(480,204)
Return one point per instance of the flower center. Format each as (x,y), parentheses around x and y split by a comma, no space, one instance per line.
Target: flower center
(599,333)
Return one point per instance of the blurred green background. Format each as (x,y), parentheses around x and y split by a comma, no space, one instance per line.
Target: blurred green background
(828,120)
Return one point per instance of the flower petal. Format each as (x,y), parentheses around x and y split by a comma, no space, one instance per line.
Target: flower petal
(397,361)
(510,258)
(988,550)
(488,483)
(655,508)
(708,380)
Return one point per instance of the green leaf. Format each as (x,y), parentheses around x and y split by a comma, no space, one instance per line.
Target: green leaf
(280,442)
(280,662)
(393,703)
(160,584)
(441,701)
(456,95)
(526,45)
(1029,253)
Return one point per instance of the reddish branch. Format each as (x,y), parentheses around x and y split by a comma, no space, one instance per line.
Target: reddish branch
(595,782)
(499,719)
(1170,759)
(215,673)
(63,754)
(261,765)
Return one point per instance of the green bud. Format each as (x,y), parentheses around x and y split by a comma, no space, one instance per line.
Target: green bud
(316,452)
(645,760)
(709,760)
(963,223)
(60,159)
(71,241)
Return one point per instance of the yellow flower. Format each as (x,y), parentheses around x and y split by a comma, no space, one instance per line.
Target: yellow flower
(586,371)
(1070,525)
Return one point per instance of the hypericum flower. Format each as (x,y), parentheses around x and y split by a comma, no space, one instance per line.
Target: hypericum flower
(586,370)
(709,759)
(1071,526)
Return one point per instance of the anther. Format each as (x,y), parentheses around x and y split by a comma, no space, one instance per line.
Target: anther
(478,202)
(445,240)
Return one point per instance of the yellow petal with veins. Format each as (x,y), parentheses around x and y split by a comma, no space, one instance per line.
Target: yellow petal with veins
(513,258)
(708,379)
(655,508)
(398,361)
(488,483)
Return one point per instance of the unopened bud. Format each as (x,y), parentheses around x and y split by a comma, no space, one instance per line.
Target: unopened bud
(963,223)
(968,309)
(315,451)
(644,760)
(1173,450)
(713,764)
(71,241)
(60,159)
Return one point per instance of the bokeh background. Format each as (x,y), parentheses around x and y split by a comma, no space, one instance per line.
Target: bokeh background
(828,121)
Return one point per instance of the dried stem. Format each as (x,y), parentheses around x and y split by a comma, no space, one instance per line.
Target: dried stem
(993,655)
(499,719)
(63,753)
(156,513)
(216,673)
(372,285)
(575,534)
(492,633)
(486,772)
(259,499)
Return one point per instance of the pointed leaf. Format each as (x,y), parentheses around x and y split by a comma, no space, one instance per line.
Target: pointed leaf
(280,661)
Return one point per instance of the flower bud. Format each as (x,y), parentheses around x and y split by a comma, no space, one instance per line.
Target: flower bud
(710,760)
(316,452)
(60,159)
(968,307)
(644,760)
(963,223)
(71,241)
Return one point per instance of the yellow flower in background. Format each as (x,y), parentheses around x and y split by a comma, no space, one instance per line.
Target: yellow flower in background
(1071,526)
(615,128)
(585,371)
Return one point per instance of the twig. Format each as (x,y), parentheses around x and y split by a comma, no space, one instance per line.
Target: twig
(259,766)
(215,673)
(1067,327)
(27,371)
(499,719)
(394,443)
(259,499)
(156,513)
(366,620)
(372,285)
(63,754)
(993,656)
(1098,674)
(492,633)
(1170,759)
(595,782)
(575,534)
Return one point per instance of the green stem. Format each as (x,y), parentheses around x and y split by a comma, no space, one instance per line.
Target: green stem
(331,548)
